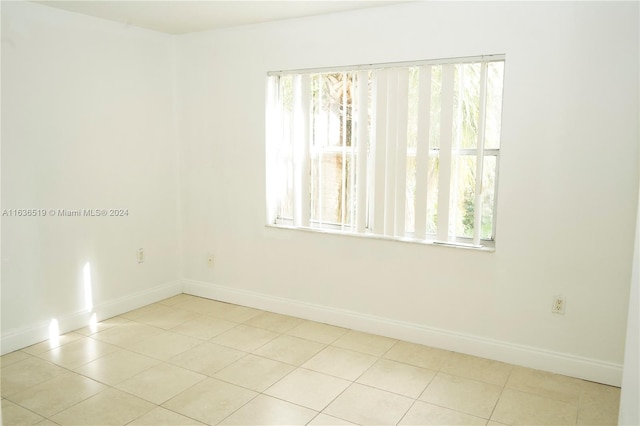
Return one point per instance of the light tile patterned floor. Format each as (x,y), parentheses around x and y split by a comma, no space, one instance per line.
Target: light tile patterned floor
(193,361)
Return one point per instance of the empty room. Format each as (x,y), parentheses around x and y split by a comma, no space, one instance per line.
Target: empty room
(320,213)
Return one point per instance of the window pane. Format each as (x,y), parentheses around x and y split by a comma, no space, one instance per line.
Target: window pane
(285,194)
(495,73)
(436,90)
(466,105)
(332,131)
(412,123)
(316,183)
(410,208)
(333,117)
(285,151)
(329,200)
(432,193)
(319,115)
(349,192)
(463,184)
(488,196)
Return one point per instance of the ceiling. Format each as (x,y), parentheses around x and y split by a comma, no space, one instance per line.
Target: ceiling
(186,16)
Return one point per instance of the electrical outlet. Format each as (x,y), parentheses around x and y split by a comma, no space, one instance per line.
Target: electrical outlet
(140,255)
(558,306)
(210,261)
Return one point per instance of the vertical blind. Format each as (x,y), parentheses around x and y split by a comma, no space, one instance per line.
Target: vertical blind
(404,150)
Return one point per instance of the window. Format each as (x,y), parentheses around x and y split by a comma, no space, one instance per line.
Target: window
(406,151)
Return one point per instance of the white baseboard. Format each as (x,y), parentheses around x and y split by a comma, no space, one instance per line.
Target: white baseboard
(25,336)
(526,356)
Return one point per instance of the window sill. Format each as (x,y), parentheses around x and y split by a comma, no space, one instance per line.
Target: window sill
(487,249)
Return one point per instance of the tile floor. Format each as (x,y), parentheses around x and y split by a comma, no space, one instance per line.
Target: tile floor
(193,361)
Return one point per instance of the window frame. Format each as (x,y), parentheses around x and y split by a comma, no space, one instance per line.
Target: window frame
(274,219)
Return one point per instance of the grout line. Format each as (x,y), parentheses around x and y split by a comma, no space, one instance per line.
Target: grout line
(239,408)
(407,412)
(497,402)
(29,409)
(178,308)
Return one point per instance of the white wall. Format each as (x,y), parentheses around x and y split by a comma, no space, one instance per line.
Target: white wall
(630,395)
(86,123)
(567,196)
(88,120)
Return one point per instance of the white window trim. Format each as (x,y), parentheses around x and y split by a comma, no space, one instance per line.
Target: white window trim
(385,230)
(403,64)
(489,247)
